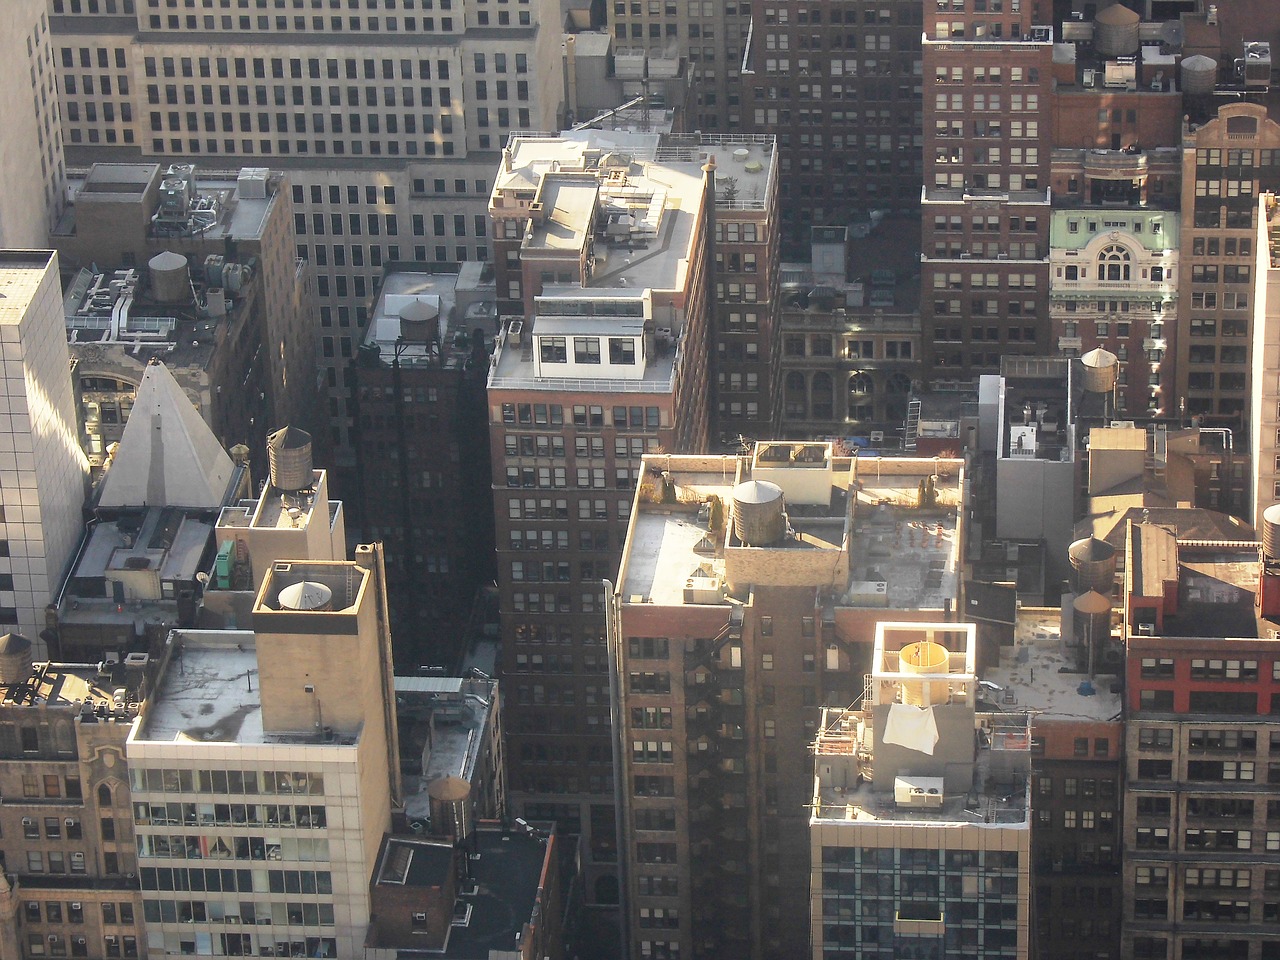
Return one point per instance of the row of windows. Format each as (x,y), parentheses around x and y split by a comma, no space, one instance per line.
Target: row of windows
(248,782)
(217,911)
(1240,878)
(176,145)
(553,446)
(988,129)
(909,858)
(1157,838)
(1103,820)
(1207,739)
(54,911)
(57,945)
(585,478)
(215,847)
(230,814)
(548,509)
(591,602)
(299,24)
(566,663)
(1206,669)
(623,418)
(199,880)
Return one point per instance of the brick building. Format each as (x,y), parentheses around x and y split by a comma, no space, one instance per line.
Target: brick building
(608,247)
(726,640)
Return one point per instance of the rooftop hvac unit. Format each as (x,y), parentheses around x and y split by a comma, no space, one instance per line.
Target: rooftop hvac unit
(877,436)
(702,590)
(920,792)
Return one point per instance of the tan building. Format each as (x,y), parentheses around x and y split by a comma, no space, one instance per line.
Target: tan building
(273,751)
(1227,163)
(920,823)
(1264,406)
(43,472)
(731,624)
(68,841)
(31,159)
(292,517)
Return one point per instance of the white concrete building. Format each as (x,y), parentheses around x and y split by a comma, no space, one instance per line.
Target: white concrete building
(43,471)
(31,149)
(272,753)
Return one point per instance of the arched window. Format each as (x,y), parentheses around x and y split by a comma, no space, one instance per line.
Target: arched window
(104,796)
(898,383)
(860,385)
(1113,263)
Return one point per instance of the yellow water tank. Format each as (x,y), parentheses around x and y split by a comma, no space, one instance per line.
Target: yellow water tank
(924,657)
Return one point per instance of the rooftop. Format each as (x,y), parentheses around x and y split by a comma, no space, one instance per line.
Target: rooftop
(416,308)
(1037,675)
(1216,584)
(628,205)
(207,691)
(21,272)
(442,722)
(1036,400)
(503,897)
(135,554)
(277,509)
(105,693)
(845,788)
(214,206)
(893,552)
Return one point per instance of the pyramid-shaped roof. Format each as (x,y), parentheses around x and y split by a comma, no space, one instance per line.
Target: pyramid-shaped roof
(168,456)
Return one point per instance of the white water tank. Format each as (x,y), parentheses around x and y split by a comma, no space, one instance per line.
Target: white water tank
(306,595)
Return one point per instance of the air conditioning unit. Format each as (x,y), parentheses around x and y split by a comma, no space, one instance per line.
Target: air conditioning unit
(922,792)
(70,821)
(877,436)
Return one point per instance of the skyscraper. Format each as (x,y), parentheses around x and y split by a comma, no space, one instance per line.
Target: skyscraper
(43,471)
(31,150)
